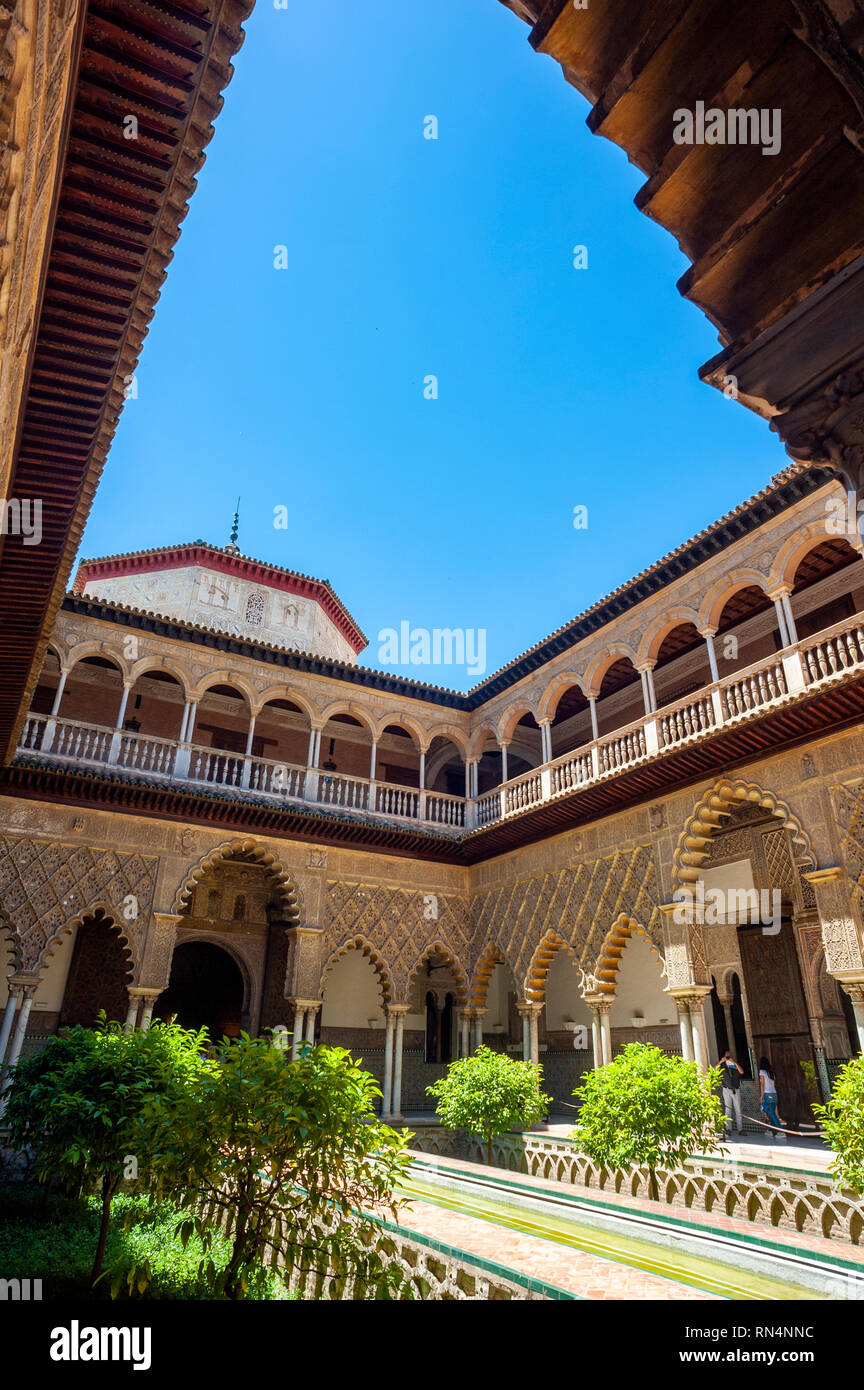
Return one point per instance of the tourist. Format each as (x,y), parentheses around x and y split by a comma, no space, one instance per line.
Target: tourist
(731,1082)
(768,1092)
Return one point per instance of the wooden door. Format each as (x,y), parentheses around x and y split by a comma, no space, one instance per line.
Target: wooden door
(778,1014)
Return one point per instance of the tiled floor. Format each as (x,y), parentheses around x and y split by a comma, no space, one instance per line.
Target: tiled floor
(589,1276)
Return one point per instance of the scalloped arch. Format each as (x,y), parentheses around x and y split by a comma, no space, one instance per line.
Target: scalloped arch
(611,953)
(379,965)
(692,851)
(245,848)
(439,948)
(544,952)
(489,957)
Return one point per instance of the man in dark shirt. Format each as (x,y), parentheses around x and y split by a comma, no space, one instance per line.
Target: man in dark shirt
(731,1082)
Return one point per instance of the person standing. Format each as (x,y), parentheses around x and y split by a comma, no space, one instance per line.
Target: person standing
(731,1083)
(768,1092)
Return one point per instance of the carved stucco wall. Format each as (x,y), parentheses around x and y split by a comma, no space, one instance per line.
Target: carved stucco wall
(45,887)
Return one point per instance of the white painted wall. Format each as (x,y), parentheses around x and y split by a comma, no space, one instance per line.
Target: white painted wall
(352,994)
(639,987)
(563,995)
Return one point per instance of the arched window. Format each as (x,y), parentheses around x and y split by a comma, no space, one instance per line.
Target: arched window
(255,608)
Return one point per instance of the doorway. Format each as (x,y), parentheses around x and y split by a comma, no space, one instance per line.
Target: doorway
(778,1014)
(205,990)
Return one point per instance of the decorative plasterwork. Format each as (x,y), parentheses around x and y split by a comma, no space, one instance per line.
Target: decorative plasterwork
(46,887)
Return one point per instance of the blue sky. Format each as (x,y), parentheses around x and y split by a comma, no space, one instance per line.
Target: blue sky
(304,387)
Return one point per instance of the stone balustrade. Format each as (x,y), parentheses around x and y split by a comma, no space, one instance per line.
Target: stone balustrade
(835,655)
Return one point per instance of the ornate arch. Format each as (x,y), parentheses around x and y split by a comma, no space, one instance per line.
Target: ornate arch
(439,948)
(453,734)
(114,920)
(693,849)
(379,965)
(363,716)
(82,650)
(538,967)
(604,979)
(491,955)
(480,737)
(402,721)
(240,848)
(146,664)
(47,886)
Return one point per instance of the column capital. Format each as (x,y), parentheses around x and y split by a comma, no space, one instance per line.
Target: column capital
(171,918)
(396,1010)
(524,1010)
(300,1003)
(648,665)
(599,1003)
(707,631)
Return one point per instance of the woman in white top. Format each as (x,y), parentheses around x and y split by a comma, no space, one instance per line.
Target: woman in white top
(768,1092)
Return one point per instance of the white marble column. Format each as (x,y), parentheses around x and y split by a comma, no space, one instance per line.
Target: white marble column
(8,1018)
(20,1030)
(686,1029)
(251,734)
(397,1064)
(535,1035)
(132,1012)
(504,747)
(58,694)
(479,1015)
(596,1037)
(149,1002)
(465,1033)
(709,633)
(781,621)
(697,1018)
(387,1101)
(311,1015)
(592,705)
(297,1037)
(790,617)
(606,1033)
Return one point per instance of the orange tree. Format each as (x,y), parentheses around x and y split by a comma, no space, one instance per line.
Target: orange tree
(489,1093)
(647,1108)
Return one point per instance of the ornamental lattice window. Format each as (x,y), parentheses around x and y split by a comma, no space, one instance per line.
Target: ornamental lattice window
(255,608)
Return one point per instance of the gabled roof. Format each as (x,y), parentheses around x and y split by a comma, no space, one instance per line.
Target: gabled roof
(227,560)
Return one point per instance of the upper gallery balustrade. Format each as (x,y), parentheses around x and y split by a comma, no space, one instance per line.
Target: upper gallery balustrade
(797,670)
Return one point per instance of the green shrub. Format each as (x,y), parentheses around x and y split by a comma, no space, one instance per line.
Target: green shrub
(842,1120)
(648,1108)
(489,1093)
